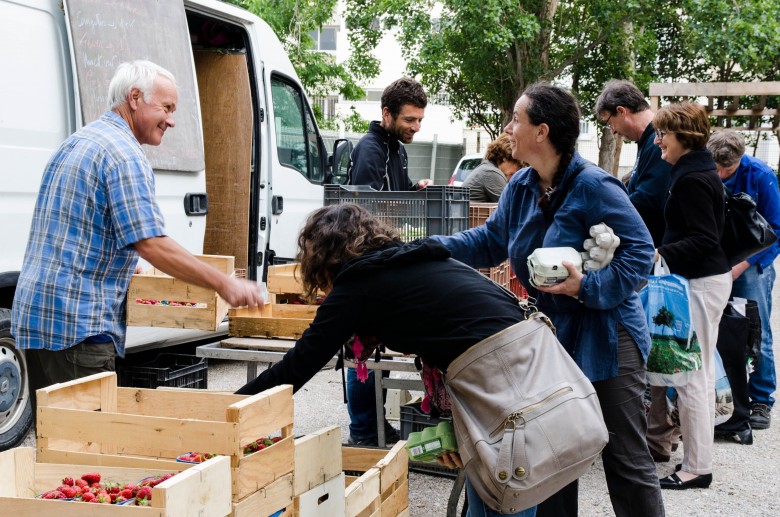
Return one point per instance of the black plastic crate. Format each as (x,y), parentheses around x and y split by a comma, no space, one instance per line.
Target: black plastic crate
(171,370)
(435,210)
(413,420)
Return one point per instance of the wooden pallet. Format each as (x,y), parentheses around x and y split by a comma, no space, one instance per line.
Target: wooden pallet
(202,489)
(92,421)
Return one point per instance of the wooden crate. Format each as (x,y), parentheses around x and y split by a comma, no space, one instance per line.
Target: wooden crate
(388,470)
(156,285)
(284,279)
(200,490)
(92,421)
(273,320)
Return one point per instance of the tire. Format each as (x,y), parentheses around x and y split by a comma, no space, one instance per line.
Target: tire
(16,416)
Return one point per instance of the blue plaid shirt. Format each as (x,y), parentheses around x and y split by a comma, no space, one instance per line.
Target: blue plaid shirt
(97,199)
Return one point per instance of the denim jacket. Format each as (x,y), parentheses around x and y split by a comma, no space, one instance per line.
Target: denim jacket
(587,326)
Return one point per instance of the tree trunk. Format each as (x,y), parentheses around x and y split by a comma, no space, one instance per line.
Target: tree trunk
(606,149)
(616,160)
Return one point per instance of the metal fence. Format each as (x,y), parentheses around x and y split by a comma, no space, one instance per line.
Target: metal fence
(426,159)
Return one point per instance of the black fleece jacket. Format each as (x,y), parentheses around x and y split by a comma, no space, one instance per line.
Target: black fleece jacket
(412,297)
(695,215)
(379,160)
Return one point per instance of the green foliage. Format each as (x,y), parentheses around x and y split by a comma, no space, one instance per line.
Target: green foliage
(352,123)
(321,75)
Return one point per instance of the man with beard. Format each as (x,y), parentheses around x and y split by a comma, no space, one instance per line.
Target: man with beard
(623,108)
(379,159)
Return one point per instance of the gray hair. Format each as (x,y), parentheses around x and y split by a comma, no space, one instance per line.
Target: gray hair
(727,147)
(134,74)
(620,93)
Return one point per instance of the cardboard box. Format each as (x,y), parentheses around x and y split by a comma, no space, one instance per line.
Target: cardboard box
(92,421)
(207,313)
(203,489)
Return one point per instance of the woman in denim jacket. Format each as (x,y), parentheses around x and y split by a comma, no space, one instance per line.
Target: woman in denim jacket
(598,314)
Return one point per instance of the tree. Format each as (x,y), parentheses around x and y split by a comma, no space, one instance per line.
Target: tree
(321,75)
(483,53)
(664,318)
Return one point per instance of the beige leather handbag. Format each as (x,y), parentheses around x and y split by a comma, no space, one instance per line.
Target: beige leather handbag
(527,420)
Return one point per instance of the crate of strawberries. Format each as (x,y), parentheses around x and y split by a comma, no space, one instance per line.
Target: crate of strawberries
(28,487)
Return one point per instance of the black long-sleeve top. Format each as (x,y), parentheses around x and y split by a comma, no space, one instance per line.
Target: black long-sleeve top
(412,297)
(695,216)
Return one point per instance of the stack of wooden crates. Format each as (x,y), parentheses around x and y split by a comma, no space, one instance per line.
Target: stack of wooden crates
(92,421)
(501,274)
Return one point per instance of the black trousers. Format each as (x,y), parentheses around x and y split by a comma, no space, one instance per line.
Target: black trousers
(628,467)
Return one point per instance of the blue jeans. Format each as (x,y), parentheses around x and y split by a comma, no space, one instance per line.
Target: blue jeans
(756,284)
(478,509)
(361,404)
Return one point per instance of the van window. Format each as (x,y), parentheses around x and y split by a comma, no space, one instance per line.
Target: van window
(297,144)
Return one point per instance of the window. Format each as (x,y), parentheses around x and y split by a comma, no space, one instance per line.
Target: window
(327,105)
(297,140)
(324,38)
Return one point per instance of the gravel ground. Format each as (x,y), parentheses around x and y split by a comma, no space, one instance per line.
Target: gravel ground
(745,477)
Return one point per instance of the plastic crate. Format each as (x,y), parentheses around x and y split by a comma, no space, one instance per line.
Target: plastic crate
(171,370)
(414,420)
(435,210)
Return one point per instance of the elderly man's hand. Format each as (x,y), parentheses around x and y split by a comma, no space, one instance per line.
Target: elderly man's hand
(239,292)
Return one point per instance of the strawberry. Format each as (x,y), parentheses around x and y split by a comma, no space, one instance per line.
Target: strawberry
(81,483)
(276,438)
(121,499)
(68,481)
(145,492)
(53,494)
(91,477)
(126,493)
(69,491)
(132,488)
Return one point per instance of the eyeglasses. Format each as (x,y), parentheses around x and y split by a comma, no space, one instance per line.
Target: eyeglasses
(660,134)
(606,122)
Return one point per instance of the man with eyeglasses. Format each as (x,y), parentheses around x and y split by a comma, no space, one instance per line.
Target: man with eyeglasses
(623,108)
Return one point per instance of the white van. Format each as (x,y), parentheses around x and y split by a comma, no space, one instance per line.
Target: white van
(245,150)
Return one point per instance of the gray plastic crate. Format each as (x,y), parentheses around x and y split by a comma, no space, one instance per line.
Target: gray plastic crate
(435,210)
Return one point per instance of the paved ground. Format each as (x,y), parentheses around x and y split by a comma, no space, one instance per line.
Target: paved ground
(745,477)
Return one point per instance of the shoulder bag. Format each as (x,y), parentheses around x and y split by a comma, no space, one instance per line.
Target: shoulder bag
(527,420)
(746,232)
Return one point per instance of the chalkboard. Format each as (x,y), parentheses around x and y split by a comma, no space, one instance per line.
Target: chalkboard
(105,33)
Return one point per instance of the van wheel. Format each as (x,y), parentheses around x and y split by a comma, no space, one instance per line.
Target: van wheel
(15,405)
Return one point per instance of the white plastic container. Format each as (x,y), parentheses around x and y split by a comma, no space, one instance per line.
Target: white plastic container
(545,265)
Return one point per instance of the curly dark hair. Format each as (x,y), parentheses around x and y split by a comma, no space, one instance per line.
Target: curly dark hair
(334,235)
(556,107)
(403,91)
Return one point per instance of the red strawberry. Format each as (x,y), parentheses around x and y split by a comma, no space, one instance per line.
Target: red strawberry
(80,482)
(91,477)
(145,492)
(132,488)
(69,491)
(126,493)
(68,481)
(276,438)
(121,499)
(87,497)
(52,494)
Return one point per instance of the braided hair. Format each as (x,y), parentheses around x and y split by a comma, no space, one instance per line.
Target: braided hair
(556,107)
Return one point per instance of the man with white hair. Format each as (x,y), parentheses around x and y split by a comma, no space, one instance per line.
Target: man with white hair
(96,213)
(754,277)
